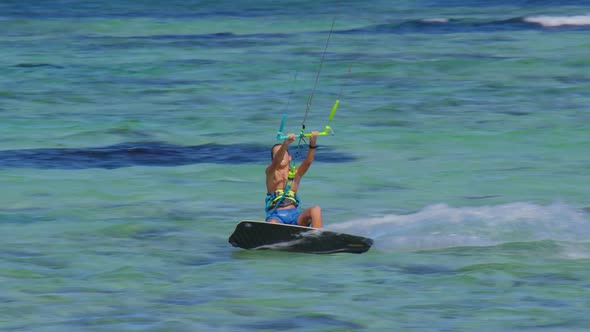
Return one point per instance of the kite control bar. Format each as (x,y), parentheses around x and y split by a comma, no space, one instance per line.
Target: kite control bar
(327,128)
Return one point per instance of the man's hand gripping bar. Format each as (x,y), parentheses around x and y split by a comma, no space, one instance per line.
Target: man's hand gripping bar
(327,129)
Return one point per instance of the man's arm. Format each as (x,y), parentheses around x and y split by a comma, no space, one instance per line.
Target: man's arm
(280,154)
(302,169)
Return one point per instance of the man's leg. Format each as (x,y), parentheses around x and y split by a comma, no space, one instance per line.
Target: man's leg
(314,214)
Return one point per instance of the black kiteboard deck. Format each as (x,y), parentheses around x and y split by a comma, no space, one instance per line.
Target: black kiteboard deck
(251,234)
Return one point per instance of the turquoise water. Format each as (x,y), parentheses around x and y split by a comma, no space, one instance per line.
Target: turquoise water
(134,137)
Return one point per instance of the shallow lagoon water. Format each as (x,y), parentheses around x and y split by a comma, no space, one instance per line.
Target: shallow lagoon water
(134,138)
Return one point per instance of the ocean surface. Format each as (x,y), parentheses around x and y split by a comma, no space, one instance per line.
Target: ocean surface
(134,136)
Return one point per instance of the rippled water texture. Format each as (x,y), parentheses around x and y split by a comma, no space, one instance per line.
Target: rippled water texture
(134,137)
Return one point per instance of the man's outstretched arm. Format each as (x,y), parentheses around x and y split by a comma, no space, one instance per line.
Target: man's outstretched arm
(306,163)
(280,154)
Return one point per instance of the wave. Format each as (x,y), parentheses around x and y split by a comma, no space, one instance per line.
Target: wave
(441,226)
(460,25)
(559,21)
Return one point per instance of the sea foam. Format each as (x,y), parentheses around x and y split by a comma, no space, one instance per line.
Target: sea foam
(558,21)
(435,20)
(441,226)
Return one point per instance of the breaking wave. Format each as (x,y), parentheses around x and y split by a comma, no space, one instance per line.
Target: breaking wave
(466,25)
(559,21)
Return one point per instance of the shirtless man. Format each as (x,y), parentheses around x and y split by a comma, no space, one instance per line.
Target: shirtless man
(281,207)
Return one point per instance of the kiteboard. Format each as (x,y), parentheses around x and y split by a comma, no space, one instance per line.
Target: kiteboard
(261,235)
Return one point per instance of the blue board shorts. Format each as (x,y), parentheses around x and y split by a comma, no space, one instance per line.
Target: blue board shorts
(285,216)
